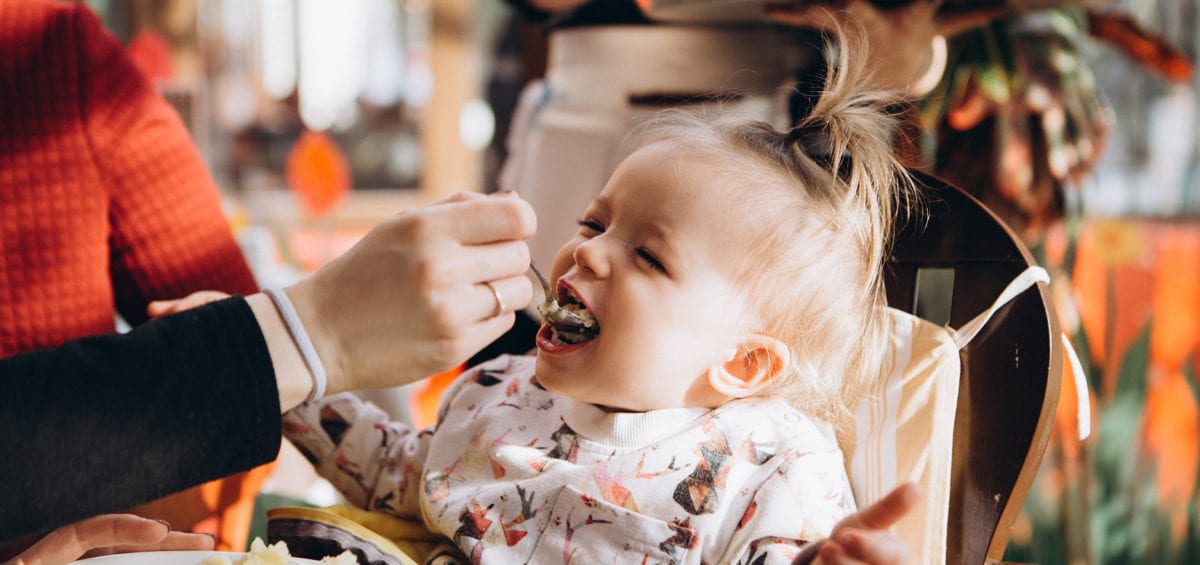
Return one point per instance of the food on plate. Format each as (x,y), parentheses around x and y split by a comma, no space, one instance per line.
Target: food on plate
(275,554)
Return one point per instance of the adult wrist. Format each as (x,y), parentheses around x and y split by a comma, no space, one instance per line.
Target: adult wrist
(305,297)
(292,376)
(300,338)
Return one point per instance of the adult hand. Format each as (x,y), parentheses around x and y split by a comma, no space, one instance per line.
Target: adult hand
(421,292)
(160,308)
(866,536)
(107,534)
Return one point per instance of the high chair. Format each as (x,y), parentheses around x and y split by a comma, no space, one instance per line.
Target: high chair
(1003,401)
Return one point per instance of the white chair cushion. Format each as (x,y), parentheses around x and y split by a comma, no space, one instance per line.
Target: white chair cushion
(904,431)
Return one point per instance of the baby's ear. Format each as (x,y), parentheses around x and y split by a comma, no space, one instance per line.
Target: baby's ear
(757,360)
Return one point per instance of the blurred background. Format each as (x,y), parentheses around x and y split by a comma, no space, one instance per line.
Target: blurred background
(1076,122)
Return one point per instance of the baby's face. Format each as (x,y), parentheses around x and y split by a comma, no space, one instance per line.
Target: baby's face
(654,261)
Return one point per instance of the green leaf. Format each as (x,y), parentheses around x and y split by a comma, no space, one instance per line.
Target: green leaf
(1190,550)
(1131,381)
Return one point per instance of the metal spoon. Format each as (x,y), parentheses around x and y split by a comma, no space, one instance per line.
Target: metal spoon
(564,320)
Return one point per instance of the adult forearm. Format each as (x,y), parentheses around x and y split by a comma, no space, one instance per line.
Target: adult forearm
(105,423)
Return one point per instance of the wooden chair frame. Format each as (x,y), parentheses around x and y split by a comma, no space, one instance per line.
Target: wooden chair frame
(1011,371)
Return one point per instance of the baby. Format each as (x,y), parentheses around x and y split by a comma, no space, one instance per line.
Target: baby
(734,276)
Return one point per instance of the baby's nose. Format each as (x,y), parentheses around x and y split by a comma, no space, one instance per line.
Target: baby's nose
(592,256)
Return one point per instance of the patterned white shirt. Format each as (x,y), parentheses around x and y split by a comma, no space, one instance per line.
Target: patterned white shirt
(513,473)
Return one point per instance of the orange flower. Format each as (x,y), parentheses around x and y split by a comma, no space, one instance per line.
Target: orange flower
(1176,296)
(1171,413)
(1170,441)
(1117,242)
(1090,279)
(1113,280)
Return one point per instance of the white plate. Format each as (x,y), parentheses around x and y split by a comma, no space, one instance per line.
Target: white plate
(172,558)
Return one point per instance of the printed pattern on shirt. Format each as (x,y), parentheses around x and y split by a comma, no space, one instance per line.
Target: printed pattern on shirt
(506,476)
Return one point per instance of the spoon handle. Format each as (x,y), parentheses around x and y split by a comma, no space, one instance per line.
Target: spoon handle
(542,279)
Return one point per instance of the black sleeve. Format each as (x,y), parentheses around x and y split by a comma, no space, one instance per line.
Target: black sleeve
(105,423)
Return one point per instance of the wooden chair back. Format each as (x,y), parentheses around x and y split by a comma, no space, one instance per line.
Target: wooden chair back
(1011,371)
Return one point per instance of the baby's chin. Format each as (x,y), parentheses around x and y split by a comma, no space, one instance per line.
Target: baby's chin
(548,374)
(553,375)
(566,382)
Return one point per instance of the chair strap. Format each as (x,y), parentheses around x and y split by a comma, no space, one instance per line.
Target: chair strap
(1083,404)
(1025,280)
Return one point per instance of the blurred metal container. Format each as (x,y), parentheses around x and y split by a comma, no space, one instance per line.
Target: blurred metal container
(754,11)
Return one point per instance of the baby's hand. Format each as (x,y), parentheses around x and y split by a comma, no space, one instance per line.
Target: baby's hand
(867,537)
(160,308)
(854,546)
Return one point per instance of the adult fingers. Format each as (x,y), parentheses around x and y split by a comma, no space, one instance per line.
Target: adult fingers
(175,541)
(885,512)
(160,308)
(461,277)
(461,197)
(69,543)
(187,541)
(491,219)
(484,332)
(502,296)
(491,261)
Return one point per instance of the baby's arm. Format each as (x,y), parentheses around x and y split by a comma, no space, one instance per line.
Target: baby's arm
(374,461)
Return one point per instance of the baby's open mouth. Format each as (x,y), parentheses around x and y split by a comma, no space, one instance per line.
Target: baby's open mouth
(570,322)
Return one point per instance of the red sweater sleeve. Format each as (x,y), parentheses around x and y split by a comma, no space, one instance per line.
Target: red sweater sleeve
(168,236)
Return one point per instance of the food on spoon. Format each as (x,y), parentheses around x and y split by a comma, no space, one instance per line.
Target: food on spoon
(571,322)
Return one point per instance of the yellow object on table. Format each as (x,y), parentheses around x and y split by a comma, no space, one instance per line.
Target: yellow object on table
(374,536)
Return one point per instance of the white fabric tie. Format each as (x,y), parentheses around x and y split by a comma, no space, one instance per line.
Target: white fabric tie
(1028,278)
(1083,409)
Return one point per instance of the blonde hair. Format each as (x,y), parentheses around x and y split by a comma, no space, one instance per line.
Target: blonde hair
(826,195)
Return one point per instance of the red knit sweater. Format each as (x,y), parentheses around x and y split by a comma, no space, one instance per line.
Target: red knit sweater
(104,202)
